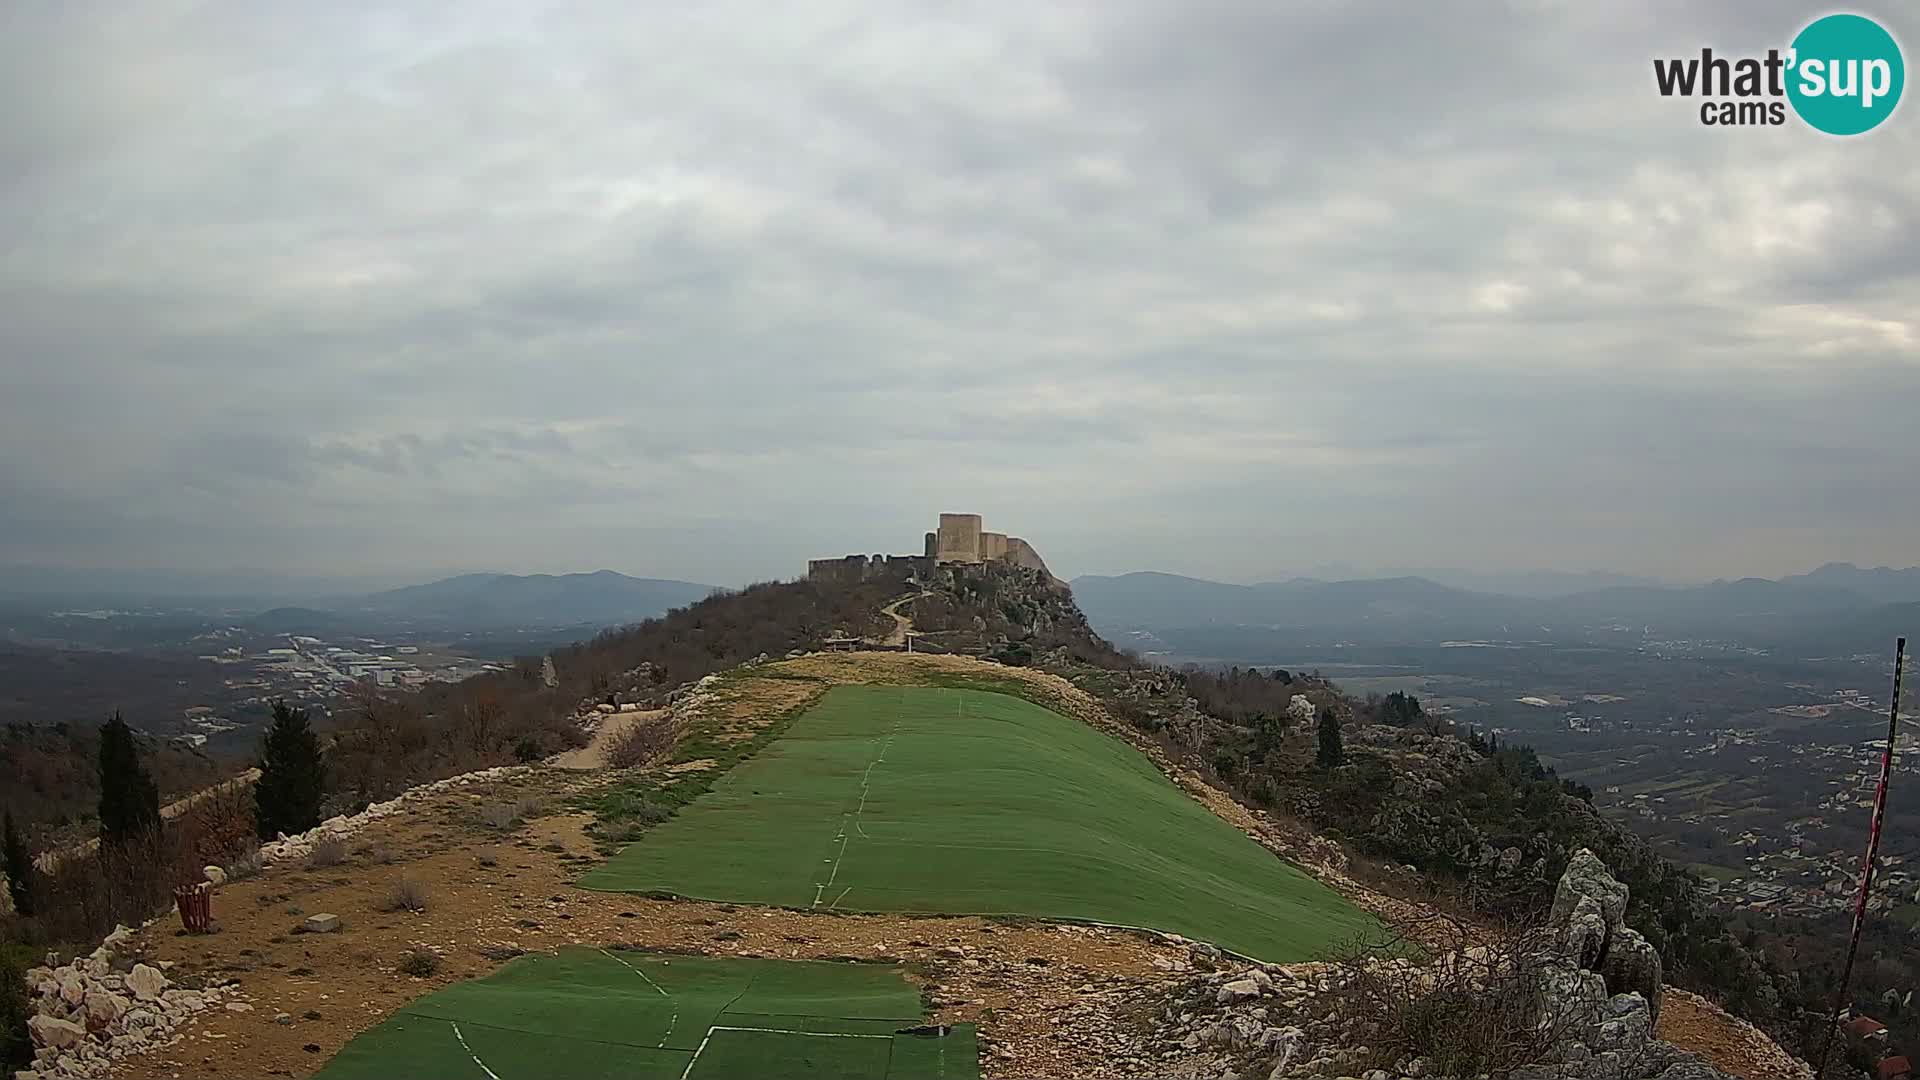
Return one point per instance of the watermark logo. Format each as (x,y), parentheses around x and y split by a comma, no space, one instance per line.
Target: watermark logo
(1842,74)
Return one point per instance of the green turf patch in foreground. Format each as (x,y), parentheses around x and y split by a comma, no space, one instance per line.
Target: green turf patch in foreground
(887,798)
(594,1014)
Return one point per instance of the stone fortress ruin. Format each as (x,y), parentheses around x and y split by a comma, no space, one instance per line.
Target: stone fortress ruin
(959,539)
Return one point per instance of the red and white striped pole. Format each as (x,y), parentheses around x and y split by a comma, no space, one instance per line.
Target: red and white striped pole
(1873,851)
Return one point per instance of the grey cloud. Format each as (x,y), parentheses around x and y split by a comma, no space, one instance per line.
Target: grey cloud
(1223,288)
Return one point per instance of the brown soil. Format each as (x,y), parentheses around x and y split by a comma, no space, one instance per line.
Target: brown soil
(1729,1044)
(334,986)
(612,726)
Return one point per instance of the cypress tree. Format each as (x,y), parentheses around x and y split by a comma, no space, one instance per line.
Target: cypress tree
(19,866)
(129,801)
(287,796)
(1332,752)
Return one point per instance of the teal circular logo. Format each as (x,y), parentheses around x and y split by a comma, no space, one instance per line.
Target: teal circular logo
(1846,74)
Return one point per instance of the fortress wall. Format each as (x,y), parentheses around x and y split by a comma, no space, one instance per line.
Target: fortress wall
(933,545)
(959,538)
(853,569)
(844,570)
(993,546)
(1021,553)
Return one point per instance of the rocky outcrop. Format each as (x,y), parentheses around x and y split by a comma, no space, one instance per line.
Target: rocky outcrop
(98,1009)
(1590,915)
(1596,994)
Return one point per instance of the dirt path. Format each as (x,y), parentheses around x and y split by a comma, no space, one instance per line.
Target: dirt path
(902,625)
(612,726)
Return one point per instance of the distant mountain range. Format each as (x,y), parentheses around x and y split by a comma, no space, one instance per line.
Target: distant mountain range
(499,600)
(1838,604)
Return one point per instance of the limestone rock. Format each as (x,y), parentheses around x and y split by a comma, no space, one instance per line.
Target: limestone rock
(103,1008)
(1238,990)
(214,875)
(324,922)
(48,1031)
(1587,876)
(145,983)
(1632,966)
(1583,937)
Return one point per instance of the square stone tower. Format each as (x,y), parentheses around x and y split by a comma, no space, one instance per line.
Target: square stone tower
(959,538)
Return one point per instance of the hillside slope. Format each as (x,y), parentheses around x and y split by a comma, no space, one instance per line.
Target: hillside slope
(493,864)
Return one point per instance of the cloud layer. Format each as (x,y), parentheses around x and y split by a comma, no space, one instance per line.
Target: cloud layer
(700,291)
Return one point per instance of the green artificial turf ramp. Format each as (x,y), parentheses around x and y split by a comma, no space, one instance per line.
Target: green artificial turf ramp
(887,798)
(642,1016)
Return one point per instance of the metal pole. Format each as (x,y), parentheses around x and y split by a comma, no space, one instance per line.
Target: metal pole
(1873,850)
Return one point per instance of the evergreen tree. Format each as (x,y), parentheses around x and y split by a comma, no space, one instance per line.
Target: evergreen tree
(1332,753)
(287,796)
(19,866)
(129,802)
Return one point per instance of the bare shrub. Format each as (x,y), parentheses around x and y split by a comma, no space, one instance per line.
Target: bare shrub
(245,865)
(529,808)
(643,743)
(420,962)
(219,825)
(327,851)
(83,896)
(1479,1007)
(499,816)
(406,894)
(378,854)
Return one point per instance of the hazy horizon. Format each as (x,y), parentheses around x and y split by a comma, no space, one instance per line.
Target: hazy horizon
(1220,289)
(50,582)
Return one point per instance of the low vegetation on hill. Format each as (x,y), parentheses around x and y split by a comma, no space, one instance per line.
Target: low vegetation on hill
(51,774)
(393,741)
(1489,820)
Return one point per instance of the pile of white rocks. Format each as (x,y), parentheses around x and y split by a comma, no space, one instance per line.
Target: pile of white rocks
(298,847)
(88,1014)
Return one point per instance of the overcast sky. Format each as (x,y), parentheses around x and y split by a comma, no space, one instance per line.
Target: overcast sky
(702,290)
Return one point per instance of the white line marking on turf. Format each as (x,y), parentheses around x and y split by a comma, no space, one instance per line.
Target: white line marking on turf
(672,1020)
(636,971)
(471,1054)
(688,1071)
(837,899)
(866,782)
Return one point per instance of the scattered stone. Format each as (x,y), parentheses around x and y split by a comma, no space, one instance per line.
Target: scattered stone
(324,922)
(48,1031)
(146,982)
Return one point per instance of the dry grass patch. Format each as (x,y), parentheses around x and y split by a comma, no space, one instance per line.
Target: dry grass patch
(328,851)
(406,894)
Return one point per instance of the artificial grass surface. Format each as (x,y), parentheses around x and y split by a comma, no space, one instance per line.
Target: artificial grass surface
(887,798)
(642,1016)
